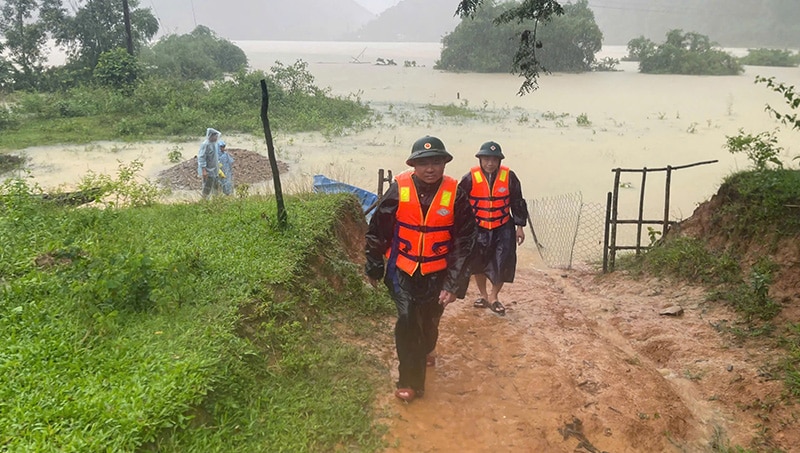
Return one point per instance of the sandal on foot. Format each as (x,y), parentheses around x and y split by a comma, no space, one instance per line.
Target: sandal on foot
(405,394)
(498,308)
(481,303)
(430,360)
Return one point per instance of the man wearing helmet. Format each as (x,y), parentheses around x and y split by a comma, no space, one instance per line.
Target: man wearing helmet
(495,194)
(420,241)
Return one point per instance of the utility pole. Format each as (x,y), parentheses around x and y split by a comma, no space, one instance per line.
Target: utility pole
(126,15)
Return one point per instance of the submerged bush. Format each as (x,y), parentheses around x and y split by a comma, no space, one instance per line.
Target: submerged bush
(685,53)
(770,57)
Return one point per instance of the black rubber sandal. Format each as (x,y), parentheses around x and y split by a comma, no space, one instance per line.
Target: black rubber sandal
(481,303)
(498,308)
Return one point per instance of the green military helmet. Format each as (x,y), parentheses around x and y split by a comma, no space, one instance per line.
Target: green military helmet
(428,146)
(491,149)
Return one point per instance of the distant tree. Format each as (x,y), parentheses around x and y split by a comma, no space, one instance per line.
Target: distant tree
(689,53)
(199,55)
(481,44)
(526,63)
(97,26)
(770,57)
(24,41)
(639,47)
(6,73)
(571,40)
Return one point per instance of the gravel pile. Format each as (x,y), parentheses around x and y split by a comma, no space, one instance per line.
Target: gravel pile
(248,168)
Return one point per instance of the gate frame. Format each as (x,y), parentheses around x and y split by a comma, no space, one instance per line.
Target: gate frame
(610,246)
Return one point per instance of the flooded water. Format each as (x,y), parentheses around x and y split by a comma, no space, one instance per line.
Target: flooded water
(565,138)
(633,120)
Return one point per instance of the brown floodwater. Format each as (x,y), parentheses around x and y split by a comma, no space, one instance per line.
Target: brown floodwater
(564,138)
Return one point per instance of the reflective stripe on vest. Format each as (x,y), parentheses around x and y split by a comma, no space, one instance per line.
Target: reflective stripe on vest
(492,206)
(423,242)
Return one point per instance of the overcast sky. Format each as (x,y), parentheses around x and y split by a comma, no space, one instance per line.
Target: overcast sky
(377,6)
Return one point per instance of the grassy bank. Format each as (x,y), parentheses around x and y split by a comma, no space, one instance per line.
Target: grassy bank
(198,327)
(165,108)
(742,244)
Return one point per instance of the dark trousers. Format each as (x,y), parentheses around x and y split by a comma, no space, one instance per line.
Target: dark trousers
(417,328)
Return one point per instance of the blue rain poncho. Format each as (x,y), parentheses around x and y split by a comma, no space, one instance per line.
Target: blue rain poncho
(208,160)
(208,155)
(226,165)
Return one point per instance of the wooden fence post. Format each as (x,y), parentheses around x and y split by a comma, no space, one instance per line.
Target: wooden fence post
(276,177)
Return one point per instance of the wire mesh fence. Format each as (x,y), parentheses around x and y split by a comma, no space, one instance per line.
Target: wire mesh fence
(570,231)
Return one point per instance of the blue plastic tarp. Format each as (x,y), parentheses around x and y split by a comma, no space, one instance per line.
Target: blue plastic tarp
(323,184)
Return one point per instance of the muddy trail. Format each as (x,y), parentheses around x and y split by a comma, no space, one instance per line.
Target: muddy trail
(586,363)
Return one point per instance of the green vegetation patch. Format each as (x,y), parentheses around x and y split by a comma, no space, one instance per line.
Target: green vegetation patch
(682,53)
(770,57)
(9,162)
(756,203)
(685,258)
(161,108)
(453,111)
(196,327)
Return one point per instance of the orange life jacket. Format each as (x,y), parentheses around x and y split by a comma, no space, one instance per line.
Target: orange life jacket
(492,206)
(422,241)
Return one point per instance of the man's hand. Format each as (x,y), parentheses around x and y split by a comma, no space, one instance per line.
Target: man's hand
(205,173)
(445,297)
(520,235)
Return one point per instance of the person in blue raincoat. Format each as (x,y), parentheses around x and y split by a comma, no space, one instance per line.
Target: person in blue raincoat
(208,162)
(226,165)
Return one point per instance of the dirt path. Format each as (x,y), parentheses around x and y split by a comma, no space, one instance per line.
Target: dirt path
(585,363)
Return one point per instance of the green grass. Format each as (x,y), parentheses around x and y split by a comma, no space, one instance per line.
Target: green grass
(760,202)
(168,108)
(452,111)
(684,258)
(196,327)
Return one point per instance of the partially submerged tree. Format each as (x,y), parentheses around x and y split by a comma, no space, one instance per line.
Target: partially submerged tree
(526,63)
(482,44)
(770,57)
(686,53)
(638,47)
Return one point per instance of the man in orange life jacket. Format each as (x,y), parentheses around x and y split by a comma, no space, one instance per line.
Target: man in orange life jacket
(495,194)
(420,241)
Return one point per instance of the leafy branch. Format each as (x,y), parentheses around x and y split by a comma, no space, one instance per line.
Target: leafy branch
(792,99)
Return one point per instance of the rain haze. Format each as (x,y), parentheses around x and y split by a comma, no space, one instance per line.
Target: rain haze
(571,346)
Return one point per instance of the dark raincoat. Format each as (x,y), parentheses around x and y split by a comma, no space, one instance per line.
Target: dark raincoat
(417,297)
(495,253)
